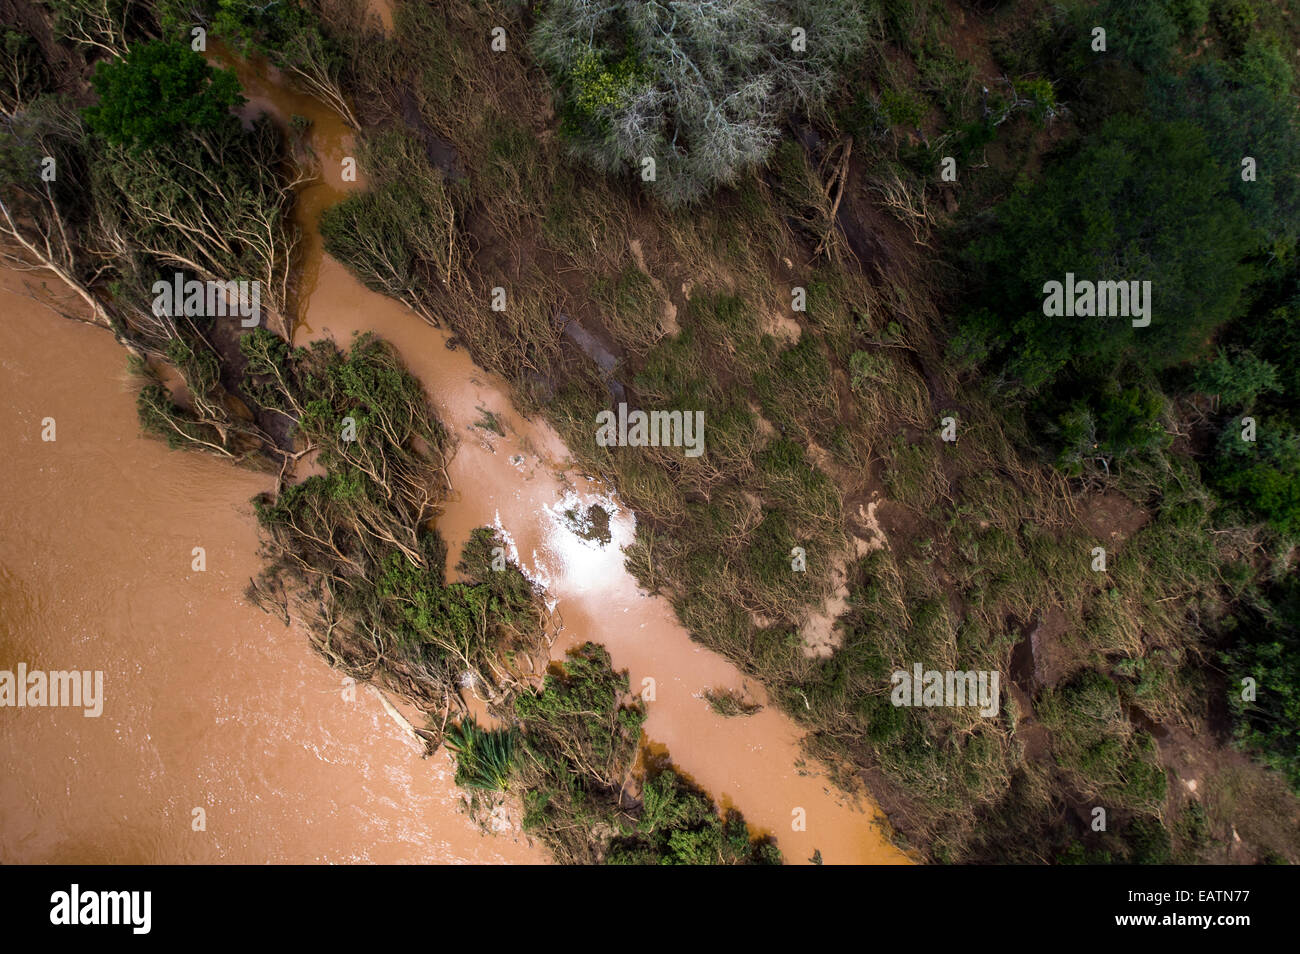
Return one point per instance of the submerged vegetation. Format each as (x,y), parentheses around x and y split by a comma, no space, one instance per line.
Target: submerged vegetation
(208,200)
(728,702)
(348,550)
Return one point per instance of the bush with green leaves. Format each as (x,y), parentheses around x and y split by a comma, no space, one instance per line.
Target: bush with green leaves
(699,86)
(1237,379)
(680,825)
(1274,335)
(484,757)
(1266,648)
(1189,15)
(1263,474)
(158,92)
(1113,422)
(1235,21)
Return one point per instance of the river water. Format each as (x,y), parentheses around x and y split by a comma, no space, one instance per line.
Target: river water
(209,702)
(214,705)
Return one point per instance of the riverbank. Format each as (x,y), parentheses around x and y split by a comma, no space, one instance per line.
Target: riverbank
(522,480)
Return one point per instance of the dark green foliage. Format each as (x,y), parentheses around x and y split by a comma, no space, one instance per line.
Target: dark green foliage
(1263,474)
(1138,201)
(680,825)
(1275,337)
(159,92)
(369,385)
(1143,33)
(251,26)
(25,72)
(1142,841)
(591,524)
(1114,422)
(1113,207)
(580,738)
(1190,16)
(1237,379)
(1241,117)
(1266,648)
(1234,20)
(579,742)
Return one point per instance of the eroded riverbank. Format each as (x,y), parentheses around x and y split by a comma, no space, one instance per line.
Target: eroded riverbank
(519,481)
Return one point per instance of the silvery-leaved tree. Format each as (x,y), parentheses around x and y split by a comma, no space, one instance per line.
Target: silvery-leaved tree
(698,86)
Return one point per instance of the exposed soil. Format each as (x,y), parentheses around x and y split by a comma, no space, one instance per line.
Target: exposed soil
(1042,659)
(1112,518)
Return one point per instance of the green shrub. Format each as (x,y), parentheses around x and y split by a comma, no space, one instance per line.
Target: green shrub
(679,825)
(1234,19)
(1266,648)
(902,108)
(484,757)
(1237,379)
(159,91)
(1263,474)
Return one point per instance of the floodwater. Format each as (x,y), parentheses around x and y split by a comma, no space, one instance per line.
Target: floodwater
(213,705)
(209,703)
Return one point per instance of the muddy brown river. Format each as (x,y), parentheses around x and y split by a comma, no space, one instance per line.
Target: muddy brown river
(212,704)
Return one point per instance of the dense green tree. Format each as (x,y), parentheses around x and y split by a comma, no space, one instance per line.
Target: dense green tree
(1137,201)
(158,92)
(1243,119)
(1237,379)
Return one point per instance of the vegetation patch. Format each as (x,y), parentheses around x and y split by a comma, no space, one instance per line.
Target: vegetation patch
(573,753)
